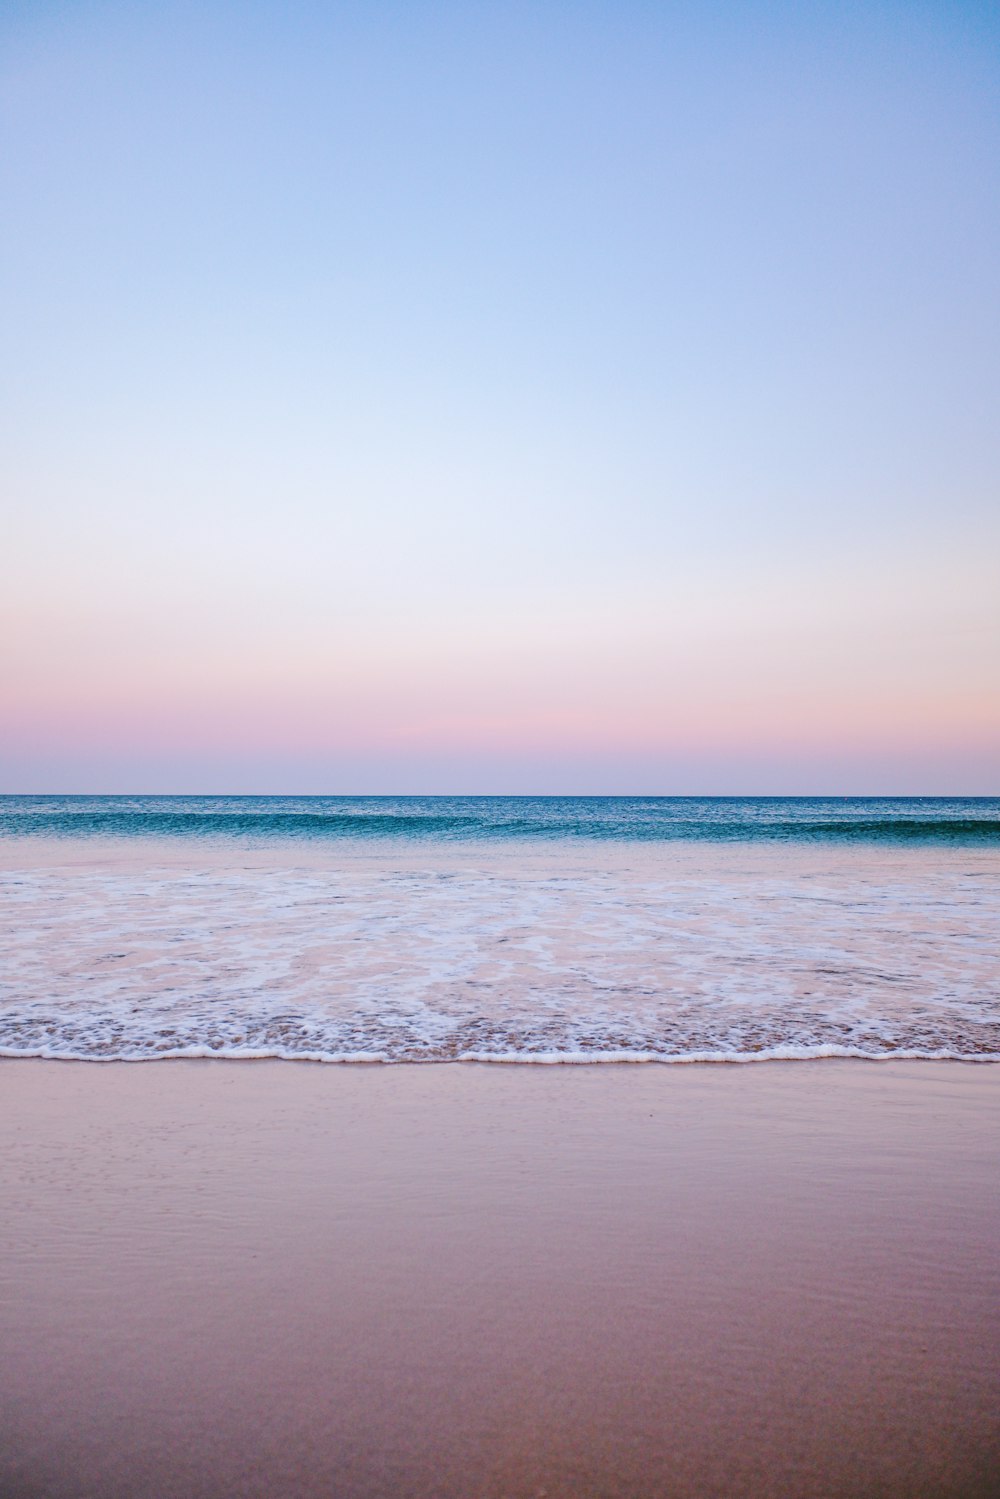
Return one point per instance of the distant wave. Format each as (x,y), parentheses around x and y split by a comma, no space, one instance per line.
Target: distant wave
(873,820)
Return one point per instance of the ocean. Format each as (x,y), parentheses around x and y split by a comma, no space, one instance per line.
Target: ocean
(499,929)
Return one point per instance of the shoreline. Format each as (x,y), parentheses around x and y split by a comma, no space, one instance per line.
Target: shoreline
(773,1057)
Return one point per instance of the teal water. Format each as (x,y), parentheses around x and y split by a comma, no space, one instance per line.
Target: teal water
(954,820)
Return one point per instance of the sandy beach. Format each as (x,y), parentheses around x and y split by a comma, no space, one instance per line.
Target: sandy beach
(499,750)
(227,1278)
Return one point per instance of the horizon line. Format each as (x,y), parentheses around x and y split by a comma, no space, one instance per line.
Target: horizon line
(537,795)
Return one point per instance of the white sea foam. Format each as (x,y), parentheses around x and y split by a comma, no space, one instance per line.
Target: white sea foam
(566,956)
(520,1058)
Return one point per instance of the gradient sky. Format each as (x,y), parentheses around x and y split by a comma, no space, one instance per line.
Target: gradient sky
(500,397)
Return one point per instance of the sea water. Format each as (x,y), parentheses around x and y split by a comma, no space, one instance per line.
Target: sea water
(537,929)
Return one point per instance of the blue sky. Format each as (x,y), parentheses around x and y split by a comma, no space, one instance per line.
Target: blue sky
(437,397)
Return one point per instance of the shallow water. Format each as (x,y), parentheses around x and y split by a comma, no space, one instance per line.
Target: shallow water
(564,946)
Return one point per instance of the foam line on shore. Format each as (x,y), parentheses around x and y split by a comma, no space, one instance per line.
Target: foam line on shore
(507,1058)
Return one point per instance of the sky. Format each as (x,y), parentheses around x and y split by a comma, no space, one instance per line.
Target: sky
(470,397)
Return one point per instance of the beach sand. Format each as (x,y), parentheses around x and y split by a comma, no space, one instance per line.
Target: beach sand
(284,1279)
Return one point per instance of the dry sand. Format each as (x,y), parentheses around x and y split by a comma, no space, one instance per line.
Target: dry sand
(285,1280)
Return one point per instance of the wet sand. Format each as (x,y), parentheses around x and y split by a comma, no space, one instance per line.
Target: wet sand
(284,1279)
